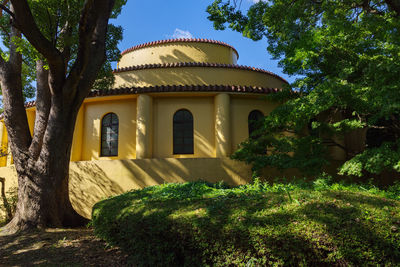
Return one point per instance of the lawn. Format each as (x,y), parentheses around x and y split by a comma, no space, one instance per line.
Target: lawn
(298,223)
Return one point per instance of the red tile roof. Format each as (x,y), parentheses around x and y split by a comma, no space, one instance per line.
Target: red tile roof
(30,104)
(175,88)
(196,64)
(180,40)
(184,88)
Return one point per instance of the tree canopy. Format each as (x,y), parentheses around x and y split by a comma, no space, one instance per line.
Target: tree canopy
(346,55)
(58,22)
(66,46)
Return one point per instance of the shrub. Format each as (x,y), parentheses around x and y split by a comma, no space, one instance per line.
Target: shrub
(8,202)
(202,224)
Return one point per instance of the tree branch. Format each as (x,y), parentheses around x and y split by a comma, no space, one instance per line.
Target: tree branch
(91,52)
(3,65)
(14,111)
(331,142)
(394,5)
(43,103)
(27,25)
(3,7)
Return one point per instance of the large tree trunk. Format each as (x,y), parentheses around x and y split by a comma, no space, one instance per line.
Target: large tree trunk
(42,161)
(43,197)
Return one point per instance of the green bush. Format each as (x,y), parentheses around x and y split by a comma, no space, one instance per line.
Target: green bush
(299,223)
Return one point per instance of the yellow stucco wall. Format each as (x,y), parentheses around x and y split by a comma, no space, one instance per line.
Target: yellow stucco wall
(11,183)
(86,141)
(94,112)
(3,144)
(78,140)
(31,114)
(179,52)
(202,109)
(241,106)
(195,75)
(91,181)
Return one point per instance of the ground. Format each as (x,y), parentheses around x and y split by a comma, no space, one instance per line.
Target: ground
(58,247)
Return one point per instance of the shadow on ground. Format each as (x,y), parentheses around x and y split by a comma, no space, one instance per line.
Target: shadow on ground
(58,247)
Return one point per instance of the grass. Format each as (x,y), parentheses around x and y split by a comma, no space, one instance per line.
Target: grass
(202,224)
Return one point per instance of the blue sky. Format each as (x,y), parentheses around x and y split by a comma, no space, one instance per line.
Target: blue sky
(146,21)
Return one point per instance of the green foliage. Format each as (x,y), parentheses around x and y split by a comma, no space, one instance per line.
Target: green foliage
(346,55)
(374,160)
(58,20)
(297,223)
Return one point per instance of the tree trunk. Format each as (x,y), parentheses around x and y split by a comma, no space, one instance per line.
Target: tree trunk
(43,197)
(42,162)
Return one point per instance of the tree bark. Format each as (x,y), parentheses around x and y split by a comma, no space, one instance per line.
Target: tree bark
(4,198)
(43,196)
(42,162)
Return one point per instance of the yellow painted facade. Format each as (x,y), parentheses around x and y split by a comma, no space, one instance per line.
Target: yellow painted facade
(177,52)
(91,181)
(145,122)
(93,112)
(195,75)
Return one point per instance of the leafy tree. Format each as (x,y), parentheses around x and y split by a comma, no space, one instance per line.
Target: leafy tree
(67,42)
(346,54)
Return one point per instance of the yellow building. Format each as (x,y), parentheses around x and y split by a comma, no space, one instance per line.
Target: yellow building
(177,111)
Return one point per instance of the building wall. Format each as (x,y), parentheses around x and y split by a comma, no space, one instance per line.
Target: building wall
(31,114)
(241,107)
(86,141)
(11,184)
(202,109)
(92,181)
(179,52)
(93,113)
(195,75)
(3,144)
(78,139)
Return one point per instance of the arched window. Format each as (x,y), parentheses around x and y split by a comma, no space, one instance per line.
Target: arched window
(109,135)
(183,132)
(254,122)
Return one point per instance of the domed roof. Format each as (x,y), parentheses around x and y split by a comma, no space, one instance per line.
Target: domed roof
(179,40)
(179,51)
(183,62)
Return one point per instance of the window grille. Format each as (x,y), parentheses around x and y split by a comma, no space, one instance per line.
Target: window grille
(109,135)
(183,132)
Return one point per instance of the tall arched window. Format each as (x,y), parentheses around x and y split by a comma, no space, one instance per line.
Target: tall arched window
(183,132)
(109,135)
(254,122)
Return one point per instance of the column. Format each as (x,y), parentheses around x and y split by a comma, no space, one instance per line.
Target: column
(222,125)
(144,124)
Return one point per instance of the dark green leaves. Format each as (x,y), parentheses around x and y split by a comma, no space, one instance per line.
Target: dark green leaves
(346,55)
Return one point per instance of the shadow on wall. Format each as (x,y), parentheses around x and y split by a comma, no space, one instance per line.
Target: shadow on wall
(92,181)
(177,56)
(147,172)
(163,76)
(89,184)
